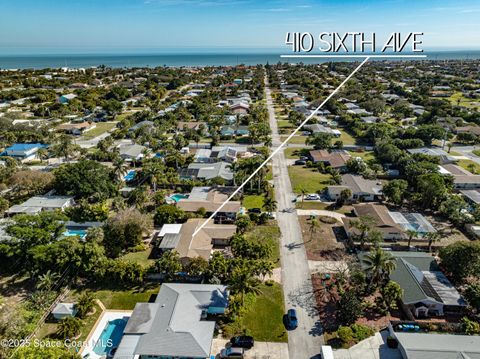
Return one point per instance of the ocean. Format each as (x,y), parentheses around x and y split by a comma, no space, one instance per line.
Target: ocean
(179,60)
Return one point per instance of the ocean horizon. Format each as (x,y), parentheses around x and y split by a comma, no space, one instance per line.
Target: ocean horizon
(188,59)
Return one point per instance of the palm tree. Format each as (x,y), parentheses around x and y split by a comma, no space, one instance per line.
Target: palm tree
(379,264)
(363,224)
(336,177)
(234,168)
(119,168)
(85,303)
(69,327)
(265,268)
(65,147)
(411,233)
(47,280)
(42,153)
(243,281)
(432,237)
(270,204)
(313,226)
(303,191)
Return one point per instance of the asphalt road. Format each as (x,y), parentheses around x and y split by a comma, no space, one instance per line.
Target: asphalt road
(305,341)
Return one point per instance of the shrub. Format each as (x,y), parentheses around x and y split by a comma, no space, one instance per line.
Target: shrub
(345,334)
(361,332)
(470,327)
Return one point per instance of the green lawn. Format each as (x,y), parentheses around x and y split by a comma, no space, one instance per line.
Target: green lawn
(320,205)
(346,138)
(252,201)
(309,179)
(365,155)
(267,234)
(124,298)
(101,128)
(263,318)
(476,152)
(466,164)
(297,140)
(458,99)
(140,257)
(294,152)
(284,124)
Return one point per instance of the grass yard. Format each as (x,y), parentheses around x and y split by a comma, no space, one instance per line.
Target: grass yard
(297,140)
(252,201)
(140,257)
(365,155)
(457,99)
(268,234)
(346,138)
(101,127)
(309,179)
(470,165)
(321,205)
(284,124)
(295,153)
(263,318)
(476,152)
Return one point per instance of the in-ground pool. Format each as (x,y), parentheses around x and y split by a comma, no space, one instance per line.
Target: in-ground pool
(75,232)
(177,197)
(130,175)
(110,336)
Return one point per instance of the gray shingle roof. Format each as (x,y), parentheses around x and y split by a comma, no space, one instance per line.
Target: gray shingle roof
(172,326)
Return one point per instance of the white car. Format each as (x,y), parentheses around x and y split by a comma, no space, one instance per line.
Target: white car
(313,197)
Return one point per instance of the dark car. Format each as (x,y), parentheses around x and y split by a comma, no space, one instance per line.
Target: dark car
(242,341)
(300,162)
(255,210)
(291,320)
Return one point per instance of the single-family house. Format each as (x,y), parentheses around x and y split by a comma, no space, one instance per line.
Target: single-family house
(76,128)
(421,345)
(189,246)
(132,152)
(207,171)
(444,156)
(39,204)
(363,190)
(210,199)
(426,290)
(239,108)
(24,152)
(468,129)
(179,324)
(334,159)
(318,128)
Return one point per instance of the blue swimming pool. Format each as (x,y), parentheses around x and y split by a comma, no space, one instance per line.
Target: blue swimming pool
(75,232)
(177,197)
(111,336)
(130,175)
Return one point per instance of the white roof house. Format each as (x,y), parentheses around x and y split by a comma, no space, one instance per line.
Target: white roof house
(38,204)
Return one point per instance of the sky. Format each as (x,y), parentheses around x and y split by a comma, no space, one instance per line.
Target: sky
(159,26)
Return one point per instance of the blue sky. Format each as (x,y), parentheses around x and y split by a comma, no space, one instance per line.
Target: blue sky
(44,26)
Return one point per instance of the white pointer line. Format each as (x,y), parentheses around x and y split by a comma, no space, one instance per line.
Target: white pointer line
(279,148)
(352,56)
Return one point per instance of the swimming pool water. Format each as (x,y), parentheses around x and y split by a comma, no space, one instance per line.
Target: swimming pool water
(110,337)
(75,232)
(130,175)
(177,197)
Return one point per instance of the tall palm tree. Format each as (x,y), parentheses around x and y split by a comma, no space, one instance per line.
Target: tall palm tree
(42,153)
(243,282)
(379,264)
(303,191)
(411,233)
(313,226)
(69,327)
(363,224)
(234,168)
(269,204)
(336,177)
(119,168)
(432,237)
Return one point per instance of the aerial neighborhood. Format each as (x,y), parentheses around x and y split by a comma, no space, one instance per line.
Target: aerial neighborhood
(138,218)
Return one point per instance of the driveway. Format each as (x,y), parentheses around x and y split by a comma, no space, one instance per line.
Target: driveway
(371,348)
(261,350)
(320,212)
(305,341)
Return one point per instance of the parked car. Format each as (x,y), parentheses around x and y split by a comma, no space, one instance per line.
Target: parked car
(255,210)
(232,352)
(313,196)
(291,320)
(300,162)
(242,341)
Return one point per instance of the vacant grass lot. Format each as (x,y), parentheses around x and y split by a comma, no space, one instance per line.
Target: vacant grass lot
(346,138)
(263,318)
(457,99)
(470,165)
(284,124)
(102,127)
(365,155)
(252,201)
(297,140)
(309,179)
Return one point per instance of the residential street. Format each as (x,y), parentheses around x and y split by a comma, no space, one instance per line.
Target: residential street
(305,341)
